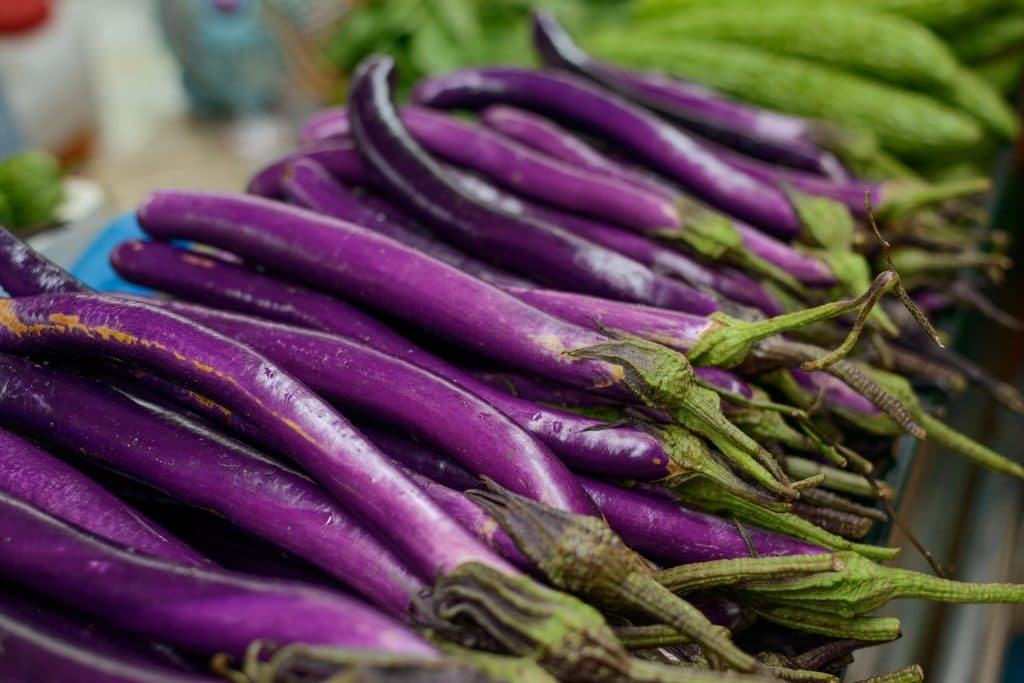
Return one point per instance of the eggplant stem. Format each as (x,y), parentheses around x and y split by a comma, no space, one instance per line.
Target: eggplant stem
(688,578)
(910,674)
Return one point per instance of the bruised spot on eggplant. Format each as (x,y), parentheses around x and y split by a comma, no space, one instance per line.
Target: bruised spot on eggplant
(208,403)
(200,261)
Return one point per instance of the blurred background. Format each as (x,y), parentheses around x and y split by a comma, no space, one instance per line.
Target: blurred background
(102,101)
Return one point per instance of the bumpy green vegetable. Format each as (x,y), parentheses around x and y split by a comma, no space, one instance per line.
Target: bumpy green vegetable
(1003,73)
(992,37)
(908,124)
(975,96)
(934,13)
(880,46)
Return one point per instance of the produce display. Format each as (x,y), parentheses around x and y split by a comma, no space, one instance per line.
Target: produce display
(572,373)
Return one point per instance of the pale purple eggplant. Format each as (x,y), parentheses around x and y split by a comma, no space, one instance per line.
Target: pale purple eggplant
(43,645)
(33,475)
(199,467)
(780,140)
(295,422)
(658,143)
(201,610)
(308,184)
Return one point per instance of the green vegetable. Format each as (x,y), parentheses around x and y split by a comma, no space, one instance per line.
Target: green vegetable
(1003,73)
(881,46)
(31,188)
(992,37)
(934,13)
(908,124)
(976,97)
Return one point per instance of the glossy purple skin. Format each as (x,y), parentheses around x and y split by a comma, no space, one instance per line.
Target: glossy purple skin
(557,50)
(199,467)
(354,376)
(213,282)
(31,474)
(201,610)
(849,192)
(44,646)
(340,158)
(657,142)
(537,390)
(732,284)
(308,184)
(836,392)
(563,145)
(24,271)
(522,244)
(520,168)
(666,532)
(365,267)
(324,125)
(295,421)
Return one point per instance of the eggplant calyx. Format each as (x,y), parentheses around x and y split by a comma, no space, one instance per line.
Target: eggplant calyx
(688,578)
(663,378)
(582,555)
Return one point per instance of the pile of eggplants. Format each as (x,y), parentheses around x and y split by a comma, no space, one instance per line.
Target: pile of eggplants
(581,387)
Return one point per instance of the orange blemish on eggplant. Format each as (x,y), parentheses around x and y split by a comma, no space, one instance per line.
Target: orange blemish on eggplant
(208,403)
(200,261)
(294,425)
(551,342)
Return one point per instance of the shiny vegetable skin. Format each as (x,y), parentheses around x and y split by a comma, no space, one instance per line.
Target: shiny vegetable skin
(910,125)
(294,421)
(664,531)
(33,475)
(356,263)
(545,252)
(558,51)
(563,145)
(309,185)
(43,646)
(658,143)
(319,361)
(527,172)
(201,610)
(354,376)
(214,282)
(199,467)
(24,271)
(338,157)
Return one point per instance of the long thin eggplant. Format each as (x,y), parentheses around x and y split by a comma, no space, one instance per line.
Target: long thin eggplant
(338,157)
(697,112)
(310,185)
(522,244)
(43,646)
(35,476)
(201,610)
(355,377)
(294,420)
(199,467)
(657,142)
(24,271)
(527,172)
(700,221)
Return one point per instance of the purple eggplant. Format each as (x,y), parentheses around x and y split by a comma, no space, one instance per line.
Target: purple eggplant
(308,184)
(33,475)
(547,137)
(340,158)
(295,422)
(778,140)
(355,377)
(199,467)
(25,271)
(729,283)
(658,143)
(201,610)
(325,125)
(42,645)
(213,282)
(519,243)
(527,172)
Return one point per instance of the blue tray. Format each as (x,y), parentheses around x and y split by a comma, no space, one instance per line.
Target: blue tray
(93,266)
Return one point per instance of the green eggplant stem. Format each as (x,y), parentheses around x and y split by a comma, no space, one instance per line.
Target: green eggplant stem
(800,676)
(836,479)
(728,344)
(827,499)
(664,379)
(872,629)
(648,637)
(710,500)
(583,556)
(911,674)
(687,578)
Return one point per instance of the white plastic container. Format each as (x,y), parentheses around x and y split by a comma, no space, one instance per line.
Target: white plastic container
(44,72)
